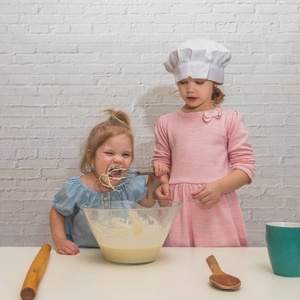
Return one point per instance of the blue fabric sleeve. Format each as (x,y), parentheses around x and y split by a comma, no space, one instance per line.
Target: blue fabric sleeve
(67,199)
(137,189)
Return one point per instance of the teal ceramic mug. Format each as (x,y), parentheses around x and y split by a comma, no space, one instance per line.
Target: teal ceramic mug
(283,243)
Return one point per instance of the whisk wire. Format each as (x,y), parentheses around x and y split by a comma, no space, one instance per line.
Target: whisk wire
(123,175)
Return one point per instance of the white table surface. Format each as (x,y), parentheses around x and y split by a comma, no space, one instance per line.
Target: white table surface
(178,273)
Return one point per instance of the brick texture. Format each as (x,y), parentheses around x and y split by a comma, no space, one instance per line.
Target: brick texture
(62,62)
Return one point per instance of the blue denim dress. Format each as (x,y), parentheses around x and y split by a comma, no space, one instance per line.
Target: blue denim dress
(75,193)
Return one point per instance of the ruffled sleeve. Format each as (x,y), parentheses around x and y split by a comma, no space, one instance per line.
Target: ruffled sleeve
(137,189)
(68,199)
(239,149)
(162,150)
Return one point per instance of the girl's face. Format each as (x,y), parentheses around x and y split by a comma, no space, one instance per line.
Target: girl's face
(117,149)
(196,93)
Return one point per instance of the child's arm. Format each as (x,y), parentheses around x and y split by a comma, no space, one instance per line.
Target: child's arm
(160,169)
(210,194)
(154,182)
(151,186)
(162,192)
(159,187)
(57,227)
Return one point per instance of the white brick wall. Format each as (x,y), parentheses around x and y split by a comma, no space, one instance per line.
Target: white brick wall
(62,62)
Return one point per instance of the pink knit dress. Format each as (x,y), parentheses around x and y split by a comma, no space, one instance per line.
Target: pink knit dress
(201,147)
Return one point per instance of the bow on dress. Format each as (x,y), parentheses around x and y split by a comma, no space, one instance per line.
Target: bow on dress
(209,114)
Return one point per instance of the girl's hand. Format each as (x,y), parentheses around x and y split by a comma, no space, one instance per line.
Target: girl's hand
(208,195)
(66,247)
(163,192)
(160,169)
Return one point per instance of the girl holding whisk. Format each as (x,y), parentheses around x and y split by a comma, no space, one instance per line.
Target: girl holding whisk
(109,143)
(206,149)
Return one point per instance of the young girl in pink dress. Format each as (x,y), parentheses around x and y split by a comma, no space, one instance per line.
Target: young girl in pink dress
(206,149)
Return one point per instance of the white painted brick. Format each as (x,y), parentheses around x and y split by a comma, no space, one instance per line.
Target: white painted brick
(10,8)
(202,8)
(12,229)
(238,8)
(43,18)
(153,9)
(37,29)
(16,173)
(9,18)
(291,27)
(63,8)
(36,228)
(273,9)
(63,62)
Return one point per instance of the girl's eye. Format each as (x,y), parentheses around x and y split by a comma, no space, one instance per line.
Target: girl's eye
(126,155)
(108,153)
(182,82)
(199,82)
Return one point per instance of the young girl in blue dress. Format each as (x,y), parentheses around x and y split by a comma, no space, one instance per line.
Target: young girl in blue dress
(110,142)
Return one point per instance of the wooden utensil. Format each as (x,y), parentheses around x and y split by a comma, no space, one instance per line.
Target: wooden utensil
(219,278)
(35,273)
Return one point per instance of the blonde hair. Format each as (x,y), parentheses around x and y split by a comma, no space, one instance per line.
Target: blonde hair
(117,123)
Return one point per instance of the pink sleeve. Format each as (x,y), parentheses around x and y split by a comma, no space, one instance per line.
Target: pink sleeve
(239,149)
(162,151)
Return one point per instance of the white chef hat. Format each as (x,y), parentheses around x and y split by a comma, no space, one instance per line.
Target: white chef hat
(198,58)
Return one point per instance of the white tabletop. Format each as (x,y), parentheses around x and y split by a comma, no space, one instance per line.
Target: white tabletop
(178,273)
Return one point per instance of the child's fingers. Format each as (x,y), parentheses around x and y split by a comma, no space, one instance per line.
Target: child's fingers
(165,189)
(197,192)
(63,252)
(163,170)
(69,251)
(163,193)
(159,193)
(165,197)
(205,200)
(202,195)
(160,169)
(68,248)
(72,248)
(166,192)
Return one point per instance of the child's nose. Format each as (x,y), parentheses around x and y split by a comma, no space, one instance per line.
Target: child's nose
(189,87)
(118,159)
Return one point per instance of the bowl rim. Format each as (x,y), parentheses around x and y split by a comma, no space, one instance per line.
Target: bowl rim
(177,204)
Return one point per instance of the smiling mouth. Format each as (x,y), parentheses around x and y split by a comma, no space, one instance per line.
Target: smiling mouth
(115,175)
(115,172)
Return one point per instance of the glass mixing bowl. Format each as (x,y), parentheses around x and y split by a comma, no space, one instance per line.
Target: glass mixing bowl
(130,233)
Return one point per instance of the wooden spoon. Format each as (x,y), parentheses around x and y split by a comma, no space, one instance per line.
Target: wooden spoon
(219,278)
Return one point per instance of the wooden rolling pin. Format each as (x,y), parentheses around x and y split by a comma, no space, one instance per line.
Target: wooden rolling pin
(35,273)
